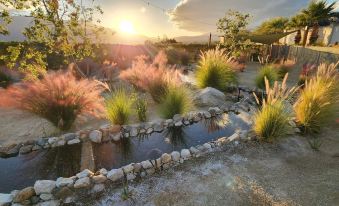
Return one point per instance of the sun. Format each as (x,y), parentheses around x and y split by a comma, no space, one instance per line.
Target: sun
(127,27)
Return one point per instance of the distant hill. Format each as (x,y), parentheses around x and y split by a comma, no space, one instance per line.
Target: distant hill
(197,39)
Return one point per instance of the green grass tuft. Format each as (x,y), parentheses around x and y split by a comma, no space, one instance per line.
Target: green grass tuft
(268,71)
(141,107)
(176,101)
(214,70)
(119,106)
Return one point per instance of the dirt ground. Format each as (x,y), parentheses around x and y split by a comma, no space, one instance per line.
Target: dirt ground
(281,174)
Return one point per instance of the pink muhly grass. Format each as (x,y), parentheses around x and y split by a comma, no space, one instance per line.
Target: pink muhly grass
(58,97)
(154,77)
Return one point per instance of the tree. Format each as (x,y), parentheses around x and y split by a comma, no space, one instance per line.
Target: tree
(273,26)
(231,26)
(311,16)
(64,29)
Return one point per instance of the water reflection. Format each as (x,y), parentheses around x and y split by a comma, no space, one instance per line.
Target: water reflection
(175,136)
(125,147)
(216,123)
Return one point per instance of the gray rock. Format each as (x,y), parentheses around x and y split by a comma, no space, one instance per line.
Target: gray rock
(36,147)
(62,182)
(116,137)
(98,188)
(84,173)
(175,156)
(49,203)
(150,171)
(95,136)
(185,154)
(5,199)
(61,142)
(82,183)
(41,141)
(25,149)
(115,174)
(207,146)
(165,158)
(178,124)
(52,140)
(99,179)
(24,194)
(128,168)
(146,164)
(103,171)
(149,130)
(130,176)
(137,167)
(158,128)
(177,118)
(134,132)
(194,150)
(209,97)
(207,115)
(69,136)
(46,197)
(44,186)
(73,141)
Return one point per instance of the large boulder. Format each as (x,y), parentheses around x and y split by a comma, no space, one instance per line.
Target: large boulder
(44,186)
(209,97)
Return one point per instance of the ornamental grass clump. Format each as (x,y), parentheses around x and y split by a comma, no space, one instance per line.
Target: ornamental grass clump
(215,70)
(271,121)
(154,77)
(268,72)
(119,106)
(58,97)
(141,108)
(176,101)
(318,104)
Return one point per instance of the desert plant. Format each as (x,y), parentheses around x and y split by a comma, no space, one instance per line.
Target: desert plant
(151,77)
(318,104)
(269,72)
(119,106)
(271,121)
(58,97)
(5,79)
(141,107)
(214,70)
(176,101)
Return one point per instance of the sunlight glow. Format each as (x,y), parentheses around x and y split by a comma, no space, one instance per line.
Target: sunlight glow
(127,27)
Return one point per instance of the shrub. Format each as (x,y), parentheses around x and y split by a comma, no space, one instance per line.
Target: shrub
(119,106)
(176,101)
(214,70)
(271,121)
(5,79)
(151,77)
(141,107)
(269,72)
(178,56)
(58,97)
(318,105)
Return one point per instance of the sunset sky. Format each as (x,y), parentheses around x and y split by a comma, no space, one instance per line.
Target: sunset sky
(188,17)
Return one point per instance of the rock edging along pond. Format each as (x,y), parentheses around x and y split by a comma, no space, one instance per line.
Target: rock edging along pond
(64,190)
(108,132)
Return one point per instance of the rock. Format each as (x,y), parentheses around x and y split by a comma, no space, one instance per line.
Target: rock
(46,197)
(61,143)
(209,97)
(36,147)
(82,183)
(177,118)
(185,154)
(62,182)
(137,167)
(52,140)
(165,158)
(207,115)
(95,136)
(73,141)
(84,173)
(158,128)
(44,186)
(41,141)
(194,150)
(99,179)
(34,200)
(207,146)
(115,174)
(142,131)
(134,132)
(63,193)
(149,130)
(103,171)
(169,121)
(116,137)
(69,137)
(146,164)
(24,194)
(178,124)
(25,149)
(150,171)
(49,203)
(97,188)
(128,168)
(5,199)
(130,176)
(175,156)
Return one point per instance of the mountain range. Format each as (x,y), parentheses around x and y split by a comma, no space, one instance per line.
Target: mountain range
(109,36)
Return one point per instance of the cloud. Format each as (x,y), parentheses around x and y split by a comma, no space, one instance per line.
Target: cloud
(202,15)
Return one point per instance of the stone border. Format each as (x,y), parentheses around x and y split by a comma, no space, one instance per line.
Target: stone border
(63,190)
(109,132)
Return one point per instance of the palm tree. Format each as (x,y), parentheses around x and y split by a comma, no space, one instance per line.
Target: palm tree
(315,12)
(298,21)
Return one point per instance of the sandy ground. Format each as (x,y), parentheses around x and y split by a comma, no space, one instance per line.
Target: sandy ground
(280,174)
